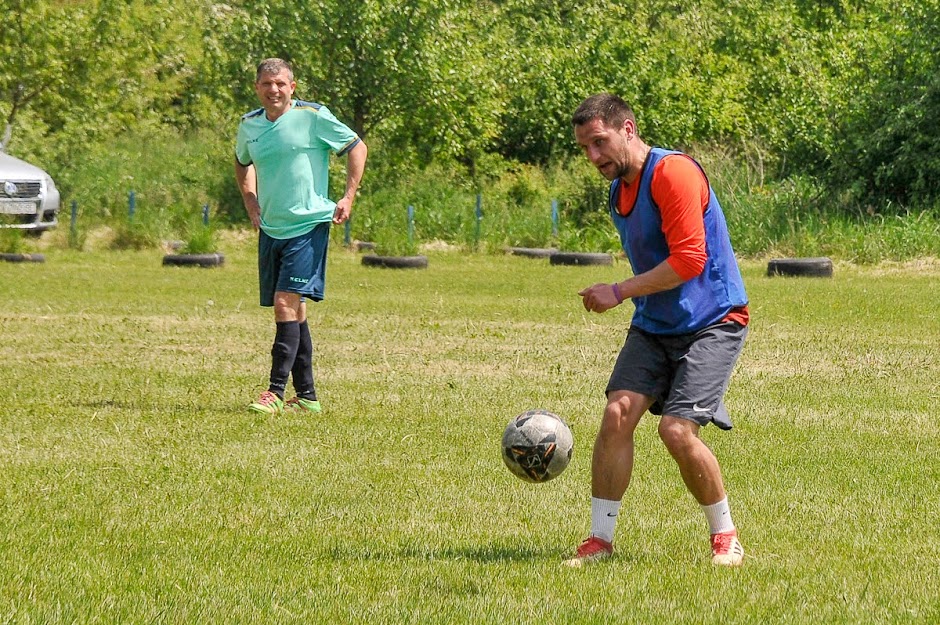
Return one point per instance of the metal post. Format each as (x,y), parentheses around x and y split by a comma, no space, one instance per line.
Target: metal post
(205,214)
(347,236)
(554,219)
(73,231)
(411,224)
(479,216)
(131,205)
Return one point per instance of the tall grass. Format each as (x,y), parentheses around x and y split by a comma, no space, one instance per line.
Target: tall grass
(135,487)
(171,175)
(799,216)
(174,175)
(11,241)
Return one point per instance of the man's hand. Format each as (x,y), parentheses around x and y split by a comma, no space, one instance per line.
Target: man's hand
(343,210)
(600,297)
(355,165)
(253,208)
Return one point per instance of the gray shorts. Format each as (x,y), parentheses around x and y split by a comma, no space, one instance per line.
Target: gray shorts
(685,375)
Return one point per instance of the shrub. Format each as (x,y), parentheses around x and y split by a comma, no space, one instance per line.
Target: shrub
(392,241)
(201,239)
(11,241)
(135,235)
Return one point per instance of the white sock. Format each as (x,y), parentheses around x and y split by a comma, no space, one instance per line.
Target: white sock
(604,518)
(719,517)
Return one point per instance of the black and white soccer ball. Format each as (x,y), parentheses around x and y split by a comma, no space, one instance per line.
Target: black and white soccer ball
(537,445)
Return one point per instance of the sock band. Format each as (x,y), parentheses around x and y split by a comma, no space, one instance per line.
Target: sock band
(302,371)
(604,518)
(283,353)
(719,517)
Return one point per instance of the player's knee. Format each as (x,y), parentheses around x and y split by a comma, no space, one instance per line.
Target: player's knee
(676,434)
(287,306)
(618,419)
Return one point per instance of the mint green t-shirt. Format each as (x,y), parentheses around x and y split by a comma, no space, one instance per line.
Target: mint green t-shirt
(292,157)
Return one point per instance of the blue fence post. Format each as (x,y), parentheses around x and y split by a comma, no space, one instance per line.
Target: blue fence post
(411,224)
(131,205)
(479,216)
(554,219)
(347,235)
(205,214)
(73,232)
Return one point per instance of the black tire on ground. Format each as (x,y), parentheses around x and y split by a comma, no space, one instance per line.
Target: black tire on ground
(23,258)
(532,252)
(395,262)
(813,267)
(193,260)
(580,258)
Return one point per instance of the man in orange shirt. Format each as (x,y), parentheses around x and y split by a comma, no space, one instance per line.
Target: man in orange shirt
(688,327)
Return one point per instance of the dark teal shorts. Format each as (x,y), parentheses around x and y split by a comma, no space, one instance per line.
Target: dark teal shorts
(685,375)
(295,265)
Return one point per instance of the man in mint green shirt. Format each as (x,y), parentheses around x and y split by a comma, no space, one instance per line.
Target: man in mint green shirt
(282,154)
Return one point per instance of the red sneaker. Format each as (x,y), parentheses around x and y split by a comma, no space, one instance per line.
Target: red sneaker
(727,549)
(268,403)
(590,550)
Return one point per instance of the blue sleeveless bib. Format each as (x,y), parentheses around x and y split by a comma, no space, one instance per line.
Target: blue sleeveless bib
(697,303)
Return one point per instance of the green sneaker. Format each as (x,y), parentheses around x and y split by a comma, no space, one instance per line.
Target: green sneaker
(299,403)
(268,403)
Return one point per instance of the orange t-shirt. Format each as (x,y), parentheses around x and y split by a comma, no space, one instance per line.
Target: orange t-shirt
(681,192)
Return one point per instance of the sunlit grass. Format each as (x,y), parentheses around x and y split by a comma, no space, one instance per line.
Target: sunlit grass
(135,487)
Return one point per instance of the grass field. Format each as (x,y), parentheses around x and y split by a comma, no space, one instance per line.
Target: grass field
(136,488)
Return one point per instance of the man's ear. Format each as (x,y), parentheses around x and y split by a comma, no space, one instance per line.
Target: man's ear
(629,128)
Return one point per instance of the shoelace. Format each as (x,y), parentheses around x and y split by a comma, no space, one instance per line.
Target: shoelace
(721,543)
(267,398)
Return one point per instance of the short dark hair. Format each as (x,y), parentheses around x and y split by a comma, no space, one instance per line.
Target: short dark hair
(609,108)
(273,66)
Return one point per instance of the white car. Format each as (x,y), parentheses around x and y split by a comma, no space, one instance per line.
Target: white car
(29,199)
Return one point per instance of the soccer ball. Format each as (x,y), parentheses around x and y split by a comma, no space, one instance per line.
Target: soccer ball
(537,445)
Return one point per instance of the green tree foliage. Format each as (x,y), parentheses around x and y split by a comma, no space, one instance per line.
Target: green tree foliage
(362,58)
(404,73)
(889,139)
(453,109)
(550,57)
(73,74)
(689,84)
(30,65)
(844,92)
